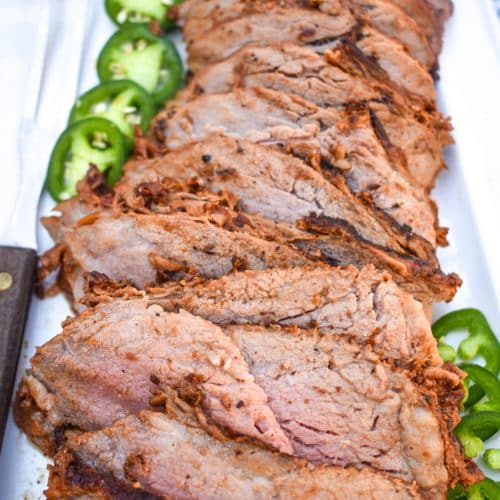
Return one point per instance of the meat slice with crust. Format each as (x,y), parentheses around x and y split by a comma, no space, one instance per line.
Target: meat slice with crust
(198,17)
(118,358)
(126,356)
(143,248)
(316,30)
(352,141)
(364,304)
(265,181)
(292,69)
(308,224)
(150,456)
(430,16)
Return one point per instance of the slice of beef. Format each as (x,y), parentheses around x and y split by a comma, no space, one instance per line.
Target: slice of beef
(334,400)
(298,70)
(265,181)
(351,140)
(277,24)
(198,17)
(142,249)
(118,358)
(363,304)
(330,395)
(392,21)
(317,31)
(428,18)
(394,60)
(326,220)
(321,235)
(154,456)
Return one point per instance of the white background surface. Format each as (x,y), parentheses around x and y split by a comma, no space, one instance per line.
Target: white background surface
(468,193)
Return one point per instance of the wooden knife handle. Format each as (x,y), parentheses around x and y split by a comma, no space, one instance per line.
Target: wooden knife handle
(17,275)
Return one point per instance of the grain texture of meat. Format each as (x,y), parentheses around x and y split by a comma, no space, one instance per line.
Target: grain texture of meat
(118,358)
(131,247)
(316,30)
(325,378)
(430,20)
(280,24)
(268,182)
(199,17)
(365,305)
(124,356)
(168,457)
(346,139)
(308,212)
(297,70)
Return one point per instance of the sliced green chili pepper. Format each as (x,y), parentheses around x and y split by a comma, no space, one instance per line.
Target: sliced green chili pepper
(123,102)
(480,342)
(483,490)
(136,54)
(476,428)
(141,11)
(488,382)
(446,351)
(94,141)
(491,458)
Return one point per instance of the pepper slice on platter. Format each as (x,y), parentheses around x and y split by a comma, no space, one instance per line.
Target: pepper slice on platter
(94,141)
(484,490)
(141,11)
(475,428)
(488,382)
(481,341)
(123,102)
(136,54)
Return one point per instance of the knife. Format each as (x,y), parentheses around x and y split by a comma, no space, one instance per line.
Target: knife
(18,243)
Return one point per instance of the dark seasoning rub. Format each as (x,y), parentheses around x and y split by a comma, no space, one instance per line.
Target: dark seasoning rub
(253,295)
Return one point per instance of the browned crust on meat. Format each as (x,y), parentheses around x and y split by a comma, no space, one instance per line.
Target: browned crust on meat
(443,389)
(32,420)
(360,13)
(219,210)
(353,60)
(443,285)
(68,478)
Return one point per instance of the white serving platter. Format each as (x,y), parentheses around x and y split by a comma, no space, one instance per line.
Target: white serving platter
(468,193)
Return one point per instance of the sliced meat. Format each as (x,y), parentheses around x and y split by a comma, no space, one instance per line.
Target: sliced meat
(346,139)
(145,190)
(197,18)
(392,21)
(339,406)
(265,181)
(129,355)
(394,60)
(316,30)
(363,304)
(280,188)
(298,70)
(277,24)
(118,358)
(154,456)
(317,238)
(143,248)
(427,18)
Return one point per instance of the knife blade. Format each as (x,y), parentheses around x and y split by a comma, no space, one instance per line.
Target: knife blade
(18,243)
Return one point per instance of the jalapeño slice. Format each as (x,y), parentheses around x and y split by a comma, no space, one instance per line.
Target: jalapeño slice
(134,53)
(123,102)
(141,11)
(94,141)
